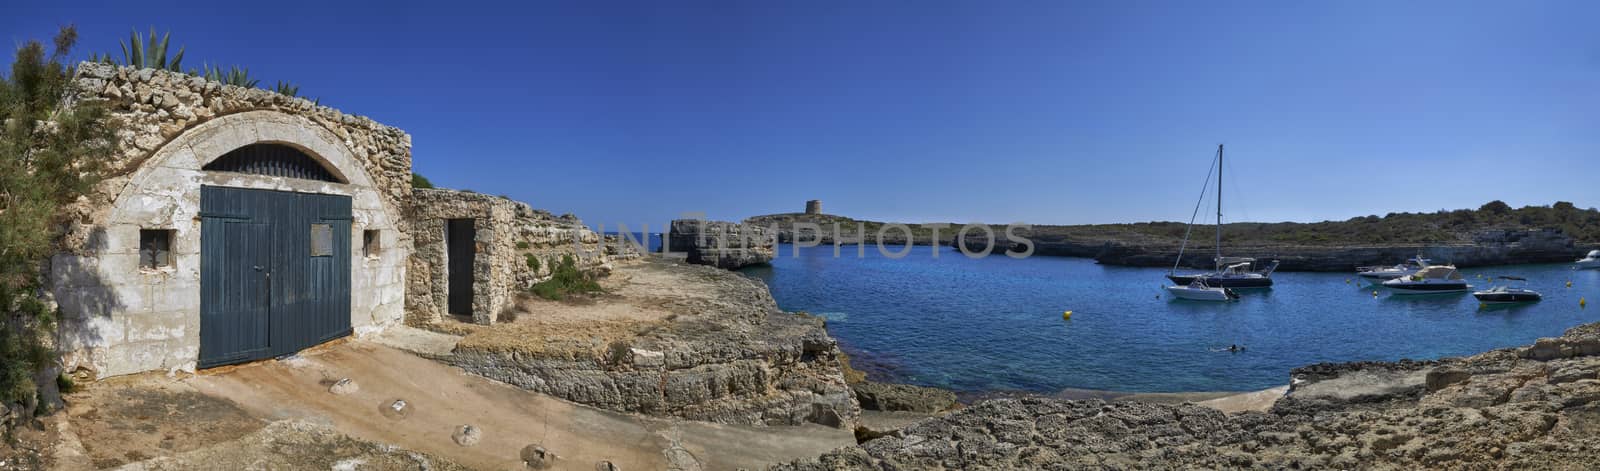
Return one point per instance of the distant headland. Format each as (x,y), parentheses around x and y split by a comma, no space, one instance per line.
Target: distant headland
(1493,234)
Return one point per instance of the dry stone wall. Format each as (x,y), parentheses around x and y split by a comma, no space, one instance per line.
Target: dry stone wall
(508,234)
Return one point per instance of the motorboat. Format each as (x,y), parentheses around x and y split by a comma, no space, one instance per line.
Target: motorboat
(1435,279)
(1380,273)
(1590,261)
(1229,272)
(1506,294)
(1197,290)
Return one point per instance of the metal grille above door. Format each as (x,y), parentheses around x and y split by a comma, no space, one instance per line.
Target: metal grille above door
(273,160)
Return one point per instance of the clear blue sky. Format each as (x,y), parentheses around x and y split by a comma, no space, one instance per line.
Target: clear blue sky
(1045,112)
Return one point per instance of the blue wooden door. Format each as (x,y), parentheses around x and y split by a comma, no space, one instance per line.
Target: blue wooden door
(274,272)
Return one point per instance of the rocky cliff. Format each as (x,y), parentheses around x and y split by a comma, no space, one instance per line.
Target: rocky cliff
(671,339)
(720,244)
(1535,407)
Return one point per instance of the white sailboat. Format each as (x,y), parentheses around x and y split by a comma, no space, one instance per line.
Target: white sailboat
(1229,272)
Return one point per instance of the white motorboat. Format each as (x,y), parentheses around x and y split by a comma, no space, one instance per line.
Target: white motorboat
(1379,274)
(1435,279)
(1198,291)
(1590,261)
(1508,295)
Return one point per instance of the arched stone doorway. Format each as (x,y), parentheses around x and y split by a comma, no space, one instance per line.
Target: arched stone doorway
(168,253)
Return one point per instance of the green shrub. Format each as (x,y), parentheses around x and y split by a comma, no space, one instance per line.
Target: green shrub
(49,156)
(565,279)
(65,384)
(419,181)
(522,245)
(533,262)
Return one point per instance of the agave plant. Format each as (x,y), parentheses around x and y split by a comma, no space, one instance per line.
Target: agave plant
(235,75)
(286,88)
(147,52)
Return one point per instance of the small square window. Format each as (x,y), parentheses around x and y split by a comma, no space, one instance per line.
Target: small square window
(370,243)
(321,240)
(155,248)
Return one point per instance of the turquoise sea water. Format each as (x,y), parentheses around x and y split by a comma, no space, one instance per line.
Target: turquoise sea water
(995,323)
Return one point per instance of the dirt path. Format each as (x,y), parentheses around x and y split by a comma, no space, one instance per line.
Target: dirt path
(442,398)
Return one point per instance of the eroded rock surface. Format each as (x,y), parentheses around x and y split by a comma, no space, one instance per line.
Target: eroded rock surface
(675,340)
(1535,407)
(720,244)
(890,397)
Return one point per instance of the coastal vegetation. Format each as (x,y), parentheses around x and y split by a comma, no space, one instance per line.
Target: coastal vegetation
(1438,227)
(151,53)
(565,279)
(47,160)
(1443,226)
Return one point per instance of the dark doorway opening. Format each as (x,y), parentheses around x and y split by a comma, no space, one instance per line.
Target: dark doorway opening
(461,251)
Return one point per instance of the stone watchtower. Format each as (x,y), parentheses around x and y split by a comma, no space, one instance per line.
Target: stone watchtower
(814,207)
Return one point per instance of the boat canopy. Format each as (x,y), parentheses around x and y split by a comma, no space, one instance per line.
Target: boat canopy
(1594,254)
(1439,272)
(1237,268)
(1233,260)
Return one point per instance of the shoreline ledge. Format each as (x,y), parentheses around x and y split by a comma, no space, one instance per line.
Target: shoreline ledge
(1516,408)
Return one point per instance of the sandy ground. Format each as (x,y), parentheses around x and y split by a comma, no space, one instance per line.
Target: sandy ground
(126,420)
(1250,401)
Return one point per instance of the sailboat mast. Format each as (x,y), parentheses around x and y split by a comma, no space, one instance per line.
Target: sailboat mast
(1219,207)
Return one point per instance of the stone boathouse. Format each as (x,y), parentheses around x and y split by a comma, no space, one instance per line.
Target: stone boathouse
(238,224)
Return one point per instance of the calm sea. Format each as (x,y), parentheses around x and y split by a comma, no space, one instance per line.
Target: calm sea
(995,323)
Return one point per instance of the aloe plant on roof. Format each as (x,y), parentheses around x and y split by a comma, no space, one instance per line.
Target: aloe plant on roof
(147,52)
(235,75)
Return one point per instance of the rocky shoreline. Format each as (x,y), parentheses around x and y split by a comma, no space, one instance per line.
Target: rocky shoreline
(670,339)
(1533,407)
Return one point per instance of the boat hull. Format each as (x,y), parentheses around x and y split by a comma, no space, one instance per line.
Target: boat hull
(1587,264)
(1184,292)
(1506,298)
(1427,288)
(1378,278)
(1223,281)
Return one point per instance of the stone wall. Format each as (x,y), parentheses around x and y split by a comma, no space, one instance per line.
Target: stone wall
(117,318)
(508,234)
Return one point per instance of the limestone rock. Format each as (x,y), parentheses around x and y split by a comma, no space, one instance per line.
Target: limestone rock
(536,457)
(902,397)
(344,386)
(720,244)
(728,355)
(1503,409)
(467,435)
